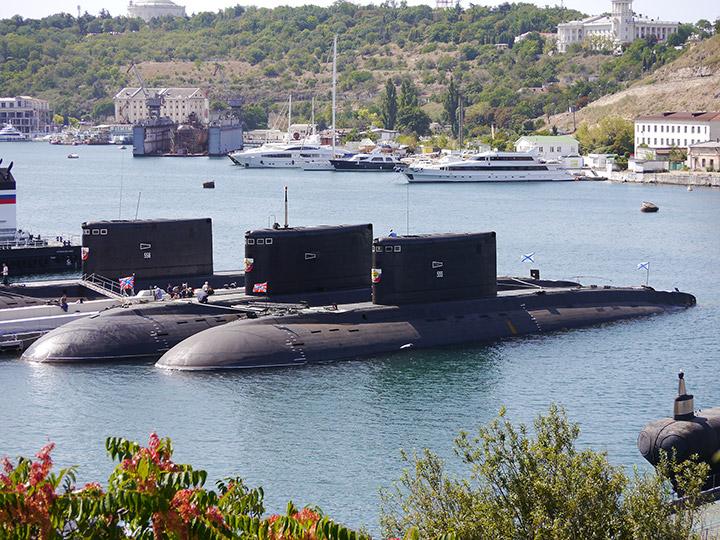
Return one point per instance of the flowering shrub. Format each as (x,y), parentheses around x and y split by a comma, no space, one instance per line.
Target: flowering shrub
(148,497)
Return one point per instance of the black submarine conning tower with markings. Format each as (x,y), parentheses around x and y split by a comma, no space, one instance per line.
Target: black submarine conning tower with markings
(685,434)
(434,268)
(148,248)
(291,260)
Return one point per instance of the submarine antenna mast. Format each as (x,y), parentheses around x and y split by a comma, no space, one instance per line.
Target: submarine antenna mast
(684,403)
(286,209)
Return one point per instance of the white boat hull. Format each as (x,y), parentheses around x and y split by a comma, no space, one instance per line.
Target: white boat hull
(425,175)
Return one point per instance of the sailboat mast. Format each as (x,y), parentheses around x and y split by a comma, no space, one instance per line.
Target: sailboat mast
(333,92)
(289,117)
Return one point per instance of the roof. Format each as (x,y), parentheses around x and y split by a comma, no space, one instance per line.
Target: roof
(130,92)
(706,144)
(681,117)
(549,139)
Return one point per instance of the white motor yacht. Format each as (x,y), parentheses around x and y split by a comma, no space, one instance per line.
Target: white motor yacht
(10,134)
(490,167)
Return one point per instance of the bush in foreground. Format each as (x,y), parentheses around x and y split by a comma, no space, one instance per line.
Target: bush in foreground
(541,487)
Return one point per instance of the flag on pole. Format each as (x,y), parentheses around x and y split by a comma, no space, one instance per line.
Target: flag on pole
(127,282)
(260,287)
(644,266)
(528,257)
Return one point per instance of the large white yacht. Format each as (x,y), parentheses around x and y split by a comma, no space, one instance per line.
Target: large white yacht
(490,167)
(285,156)
(9,134)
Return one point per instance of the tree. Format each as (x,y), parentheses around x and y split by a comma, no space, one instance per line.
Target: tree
(522,486)
(389,105)
(450,101)
(411,118)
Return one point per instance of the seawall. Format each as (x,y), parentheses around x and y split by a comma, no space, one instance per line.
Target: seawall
(704,179)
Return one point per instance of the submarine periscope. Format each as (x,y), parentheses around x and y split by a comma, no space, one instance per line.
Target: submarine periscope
(427,291)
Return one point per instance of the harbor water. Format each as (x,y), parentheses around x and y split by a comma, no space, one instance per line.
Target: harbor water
(330,434)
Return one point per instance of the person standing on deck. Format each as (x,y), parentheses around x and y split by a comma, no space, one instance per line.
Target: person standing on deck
(5,273)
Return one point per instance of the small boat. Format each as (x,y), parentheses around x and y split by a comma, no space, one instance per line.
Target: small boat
(123,147)
(73,156)
(689,188)
(209,185)
(649,207)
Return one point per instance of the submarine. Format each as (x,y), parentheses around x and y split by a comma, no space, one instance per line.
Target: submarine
(308,266)
(427,291)
(685,434)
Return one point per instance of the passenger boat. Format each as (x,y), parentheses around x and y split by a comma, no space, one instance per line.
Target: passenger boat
(10,134)
(490,167)
(368,162)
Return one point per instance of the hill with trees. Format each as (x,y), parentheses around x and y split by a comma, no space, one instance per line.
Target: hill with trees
(497,58)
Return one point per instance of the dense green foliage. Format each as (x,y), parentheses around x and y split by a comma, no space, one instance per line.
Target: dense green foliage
(78,64)
(522,486)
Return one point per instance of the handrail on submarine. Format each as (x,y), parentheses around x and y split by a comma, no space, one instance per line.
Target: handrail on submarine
(102,285)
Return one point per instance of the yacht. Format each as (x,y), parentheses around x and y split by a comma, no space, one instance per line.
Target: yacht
(368,162)
(10,134)
(281,156)
(490,167)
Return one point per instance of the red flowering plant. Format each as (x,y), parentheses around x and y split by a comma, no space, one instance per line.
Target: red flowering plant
(148,497)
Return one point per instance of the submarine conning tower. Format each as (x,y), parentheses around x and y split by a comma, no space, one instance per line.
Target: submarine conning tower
(434,268)
(307,259)
(685,434)
(152,248)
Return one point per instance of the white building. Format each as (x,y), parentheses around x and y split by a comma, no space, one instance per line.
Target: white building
(675,130)
(30,116)
(704,156)
(548,147)
(621,26)
(176,104)
(148,9)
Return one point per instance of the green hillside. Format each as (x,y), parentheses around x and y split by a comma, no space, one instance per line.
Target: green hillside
(78,64)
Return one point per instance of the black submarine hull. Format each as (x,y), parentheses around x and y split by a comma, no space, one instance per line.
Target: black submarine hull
(351,331)
(128,333)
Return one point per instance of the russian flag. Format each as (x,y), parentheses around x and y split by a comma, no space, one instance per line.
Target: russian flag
(7,199)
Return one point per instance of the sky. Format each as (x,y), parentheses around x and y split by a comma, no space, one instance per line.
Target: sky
(689,11)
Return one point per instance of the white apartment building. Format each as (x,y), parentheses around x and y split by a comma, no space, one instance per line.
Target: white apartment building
(621,26)
(176,104)
(676,129)
(548,147)
(148,9)
(30,116)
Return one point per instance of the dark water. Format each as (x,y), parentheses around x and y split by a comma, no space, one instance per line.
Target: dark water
(329,434)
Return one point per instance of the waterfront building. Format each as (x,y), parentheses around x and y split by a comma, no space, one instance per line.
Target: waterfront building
(621,26)
(661,132)
(149,9)
(30,116)
(548,147)
(177,104)
(704,156)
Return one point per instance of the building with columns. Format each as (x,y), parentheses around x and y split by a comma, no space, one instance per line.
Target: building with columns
(30,116)
(621,26)
(131,104)
(149,9)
